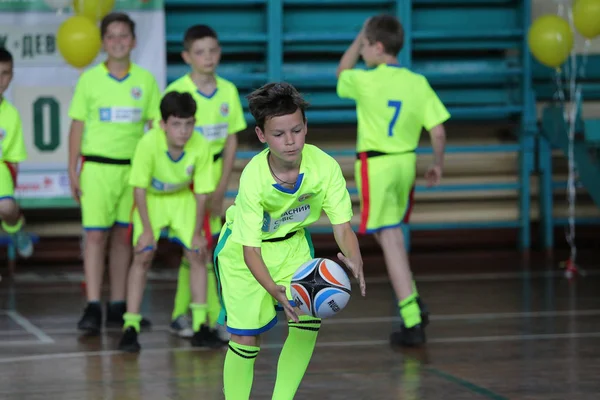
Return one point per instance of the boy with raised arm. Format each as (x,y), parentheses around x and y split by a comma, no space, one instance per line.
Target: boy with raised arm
(393,105)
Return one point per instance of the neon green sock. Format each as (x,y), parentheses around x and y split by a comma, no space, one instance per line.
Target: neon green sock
(410,311)
(183,296)
(198,315)
(238,371)
(212,297)
(295,356)
(132,320)
(12,229)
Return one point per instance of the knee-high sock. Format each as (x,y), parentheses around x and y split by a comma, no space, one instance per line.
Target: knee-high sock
(295,356)
(183,296)
(238,371)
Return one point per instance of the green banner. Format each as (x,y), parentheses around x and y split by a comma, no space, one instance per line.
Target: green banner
(41,5)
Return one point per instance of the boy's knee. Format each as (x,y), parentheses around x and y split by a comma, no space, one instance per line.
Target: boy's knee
(246,340)
(8,209)
(143,260)
(95,237)
(196,260)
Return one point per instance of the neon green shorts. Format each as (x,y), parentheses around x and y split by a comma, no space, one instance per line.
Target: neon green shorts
(175,211)
(249,308)
(385,186)
(106,197)
(7,182)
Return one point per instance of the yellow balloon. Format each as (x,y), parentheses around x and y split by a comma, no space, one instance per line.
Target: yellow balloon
(78,41)
(550,40)
(93,9)
(586,18)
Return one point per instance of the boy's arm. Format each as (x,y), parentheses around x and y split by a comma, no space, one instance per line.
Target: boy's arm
(228,162)
(14,149)
(350,57)
(350,255)
(434,116)
(256,265)
(78,114)
(153,106)
(139,195)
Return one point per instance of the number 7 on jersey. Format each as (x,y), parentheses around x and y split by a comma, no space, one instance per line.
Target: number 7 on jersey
(397,105)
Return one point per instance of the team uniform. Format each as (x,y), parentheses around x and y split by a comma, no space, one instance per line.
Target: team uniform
(115,112)
(219,114)
(274,218)
(393,105)
(12,148)
(171,202)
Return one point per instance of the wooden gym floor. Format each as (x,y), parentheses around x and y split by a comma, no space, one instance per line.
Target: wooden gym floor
(513,329)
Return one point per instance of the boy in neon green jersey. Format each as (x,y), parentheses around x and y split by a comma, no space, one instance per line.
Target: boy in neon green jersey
(283,190)
(167,161)
(113,101)
(12,152)
(218,118)
(393,105)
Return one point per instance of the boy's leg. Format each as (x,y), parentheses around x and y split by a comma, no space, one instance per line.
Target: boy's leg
(180,324)
(183,223)
(384,207)
(250,312)
(302,336)
(120,251)
(10,214)
(142,261)
(99,198)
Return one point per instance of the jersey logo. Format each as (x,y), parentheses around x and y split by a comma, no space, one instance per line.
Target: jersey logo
(120,114)
(190,170)
(305,196)
(2,134)
(295,215)
(224,109)
(136,93)
(213,132)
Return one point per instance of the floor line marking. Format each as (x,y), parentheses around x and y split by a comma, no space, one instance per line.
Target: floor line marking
(364,320)
(29,327)
(355,343)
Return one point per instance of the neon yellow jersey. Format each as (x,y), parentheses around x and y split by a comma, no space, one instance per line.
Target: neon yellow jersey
(114,110)
(265,210)
(153,169)
(393,105)
(219,114)
(12,145)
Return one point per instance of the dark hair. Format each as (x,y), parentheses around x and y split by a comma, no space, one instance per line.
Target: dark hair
(178,105)
(116,17)
(387,30)
(197,32)
(5,56)
(275,100)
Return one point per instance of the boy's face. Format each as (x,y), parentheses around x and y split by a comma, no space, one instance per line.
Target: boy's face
(203,55)
(285,136)
(371,52)
(118,41)
(6,74)
(178,130)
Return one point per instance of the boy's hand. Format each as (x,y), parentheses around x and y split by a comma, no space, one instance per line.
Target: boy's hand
(146,242)
(199,243)
(279,293)
(433,175)
(357,270)
(75,186)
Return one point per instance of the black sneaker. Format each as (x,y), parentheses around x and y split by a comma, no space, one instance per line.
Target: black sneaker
(129,342)
(408,337)
(206,337)
(114,315)
(91,321)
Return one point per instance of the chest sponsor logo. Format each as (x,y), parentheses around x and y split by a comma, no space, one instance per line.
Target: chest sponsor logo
(224,109)
(294,215)
(213,132)
(120,115)
(169,187)
(136,93)
(305,196)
